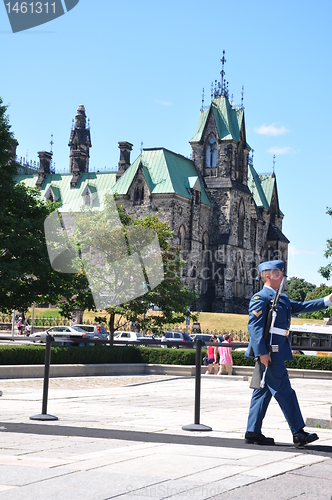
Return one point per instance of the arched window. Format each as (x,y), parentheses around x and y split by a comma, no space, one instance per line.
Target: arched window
(241,216)
(211,153)
(182,237)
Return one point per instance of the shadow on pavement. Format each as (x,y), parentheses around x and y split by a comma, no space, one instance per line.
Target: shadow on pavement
(154,437)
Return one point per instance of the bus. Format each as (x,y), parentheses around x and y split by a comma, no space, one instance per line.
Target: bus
(310,335)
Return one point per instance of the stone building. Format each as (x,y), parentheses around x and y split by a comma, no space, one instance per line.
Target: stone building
(226,218)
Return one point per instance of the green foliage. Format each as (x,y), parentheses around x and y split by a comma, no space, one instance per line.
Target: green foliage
(310,362)
(35,355)
(326,271)
(101,230)
(298,288)
(240,359)
(317,293)
(167,356)
(26,275)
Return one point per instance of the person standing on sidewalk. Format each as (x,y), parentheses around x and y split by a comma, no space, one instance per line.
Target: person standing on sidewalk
(212,355)
(277,382)
(225,357)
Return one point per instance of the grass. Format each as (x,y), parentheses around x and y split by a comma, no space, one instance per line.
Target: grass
(208,321)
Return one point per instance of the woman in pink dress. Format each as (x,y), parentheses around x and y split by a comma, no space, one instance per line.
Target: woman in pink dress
(225,357)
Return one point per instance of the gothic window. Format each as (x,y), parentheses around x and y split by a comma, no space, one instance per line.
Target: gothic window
(205,263)
(211,153)
(182,237)
(239,161)
(273,210)
(253,234)
(138,195)
(241,215)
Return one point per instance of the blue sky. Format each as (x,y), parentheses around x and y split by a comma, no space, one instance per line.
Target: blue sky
(139,68)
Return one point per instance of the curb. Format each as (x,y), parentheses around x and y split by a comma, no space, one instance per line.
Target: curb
(84,370)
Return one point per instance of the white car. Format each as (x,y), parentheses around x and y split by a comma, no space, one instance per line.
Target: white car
(63,333)
(132,337)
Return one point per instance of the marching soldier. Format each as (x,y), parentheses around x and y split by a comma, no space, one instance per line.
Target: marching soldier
(272,357)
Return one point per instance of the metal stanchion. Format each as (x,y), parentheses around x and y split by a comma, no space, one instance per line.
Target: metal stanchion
(43,415)
(197,426)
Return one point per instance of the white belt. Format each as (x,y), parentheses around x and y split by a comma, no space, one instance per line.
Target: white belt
(279,331)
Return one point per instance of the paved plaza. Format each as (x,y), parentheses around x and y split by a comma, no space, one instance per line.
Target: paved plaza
(121,437)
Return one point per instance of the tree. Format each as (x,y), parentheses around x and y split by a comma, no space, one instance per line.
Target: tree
(326,271)
(108,243)
(321,291)
(298,288)
(26,275)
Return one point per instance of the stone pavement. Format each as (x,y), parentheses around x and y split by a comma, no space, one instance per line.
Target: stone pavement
(121,437)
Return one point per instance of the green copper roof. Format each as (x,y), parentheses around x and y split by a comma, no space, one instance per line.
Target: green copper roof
(268,183)
(261,187)
(72,199)
(164,172)
(228,120)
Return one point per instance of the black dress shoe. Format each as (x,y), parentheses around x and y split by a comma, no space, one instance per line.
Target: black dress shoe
(302,437)
(255,437)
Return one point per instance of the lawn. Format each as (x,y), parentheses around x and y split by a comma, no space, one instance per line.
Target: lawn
(208,321)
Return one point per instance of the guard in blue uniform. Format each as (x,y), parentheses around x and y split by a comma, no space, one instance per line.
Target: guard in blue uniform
(277,382)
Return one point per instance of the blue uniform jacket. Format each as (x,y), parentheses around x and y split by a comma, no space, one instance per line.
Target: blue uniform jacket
(258,309)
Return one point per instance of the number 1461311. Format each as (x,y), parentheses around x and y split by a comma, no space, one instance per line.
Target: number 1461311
(31,7)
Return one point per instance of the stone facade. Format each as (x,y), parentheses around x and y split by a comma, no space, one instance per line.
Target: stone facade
(225,217)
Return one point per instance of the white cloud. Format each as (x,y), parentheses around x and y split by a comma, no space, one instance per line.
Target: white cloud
(276,150)
(292,251)
(272,129)
(164,103)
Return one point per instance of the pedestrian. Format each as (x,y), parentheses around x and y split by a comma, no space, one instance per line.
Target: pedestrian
(212,355)
(27,326)
(272,360)
(163,339)
(225,357)
(19,326)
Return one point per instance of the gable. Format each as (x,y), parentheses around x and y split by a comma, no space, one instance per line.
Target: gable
(229,121)
(165,172)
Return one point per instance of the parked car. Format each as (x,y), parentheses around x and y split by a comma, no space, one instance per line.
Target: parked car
(177,338)
(61,333)
(204,337)
(132,337)
(98,331)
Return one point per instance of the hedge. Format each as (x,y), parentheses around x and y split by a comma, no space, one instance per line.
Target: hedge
(35,355)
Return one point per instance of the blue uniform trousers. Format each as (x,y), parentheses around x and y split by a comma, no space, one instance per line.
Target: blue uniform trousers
(277,384)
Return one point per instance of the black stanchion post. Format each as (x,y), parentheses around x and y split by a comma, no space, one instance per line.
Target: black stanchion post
(197,426)
(43,415)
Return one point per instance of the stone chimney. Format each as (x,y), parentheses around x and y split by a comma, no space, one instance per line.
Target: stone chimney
(78,166)
(80,144)
(44,167)
(124,162)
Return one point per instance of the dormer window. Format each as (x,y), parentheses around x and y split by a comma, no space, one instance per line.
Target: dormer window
(89,195)
(52,194)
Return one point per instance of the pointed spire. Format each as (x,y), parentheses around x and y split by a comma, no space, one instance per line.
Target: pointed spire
(274,164)
(202,100)
(242,94)
(222,72)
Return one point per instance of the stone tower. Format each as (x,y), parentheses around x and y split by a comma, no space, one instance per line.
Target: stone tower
(80,144)
(220,153)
